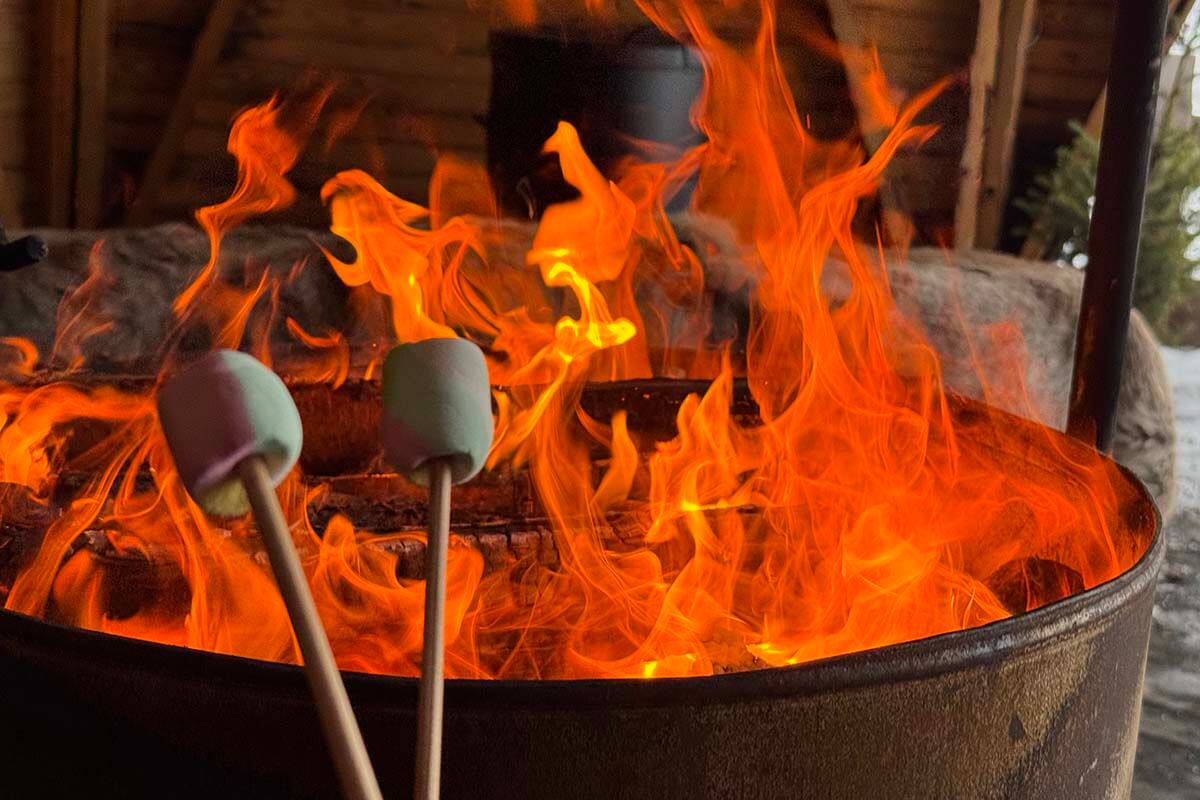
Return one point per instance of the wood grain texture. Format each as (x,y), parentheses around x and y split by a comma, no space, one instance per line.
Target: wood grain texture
(91,145)
(396,52)
(204,59)
(1002,118)
(57,24)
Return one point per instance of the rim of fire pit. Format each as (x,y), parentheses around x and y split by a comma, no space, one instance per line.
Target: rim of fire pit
(917,659)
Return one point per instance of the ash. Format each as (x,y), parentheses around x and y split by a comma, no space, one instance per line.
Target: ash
(1168,758)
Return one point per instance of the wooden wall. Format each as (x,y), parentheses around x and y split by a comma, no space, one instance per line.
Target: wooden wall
(424,64)
(920,42)
(16,110)
(1068,66)
(150,45)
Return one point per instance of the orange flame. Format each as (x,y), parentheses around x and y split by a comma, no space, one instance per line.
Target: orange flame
(864,507)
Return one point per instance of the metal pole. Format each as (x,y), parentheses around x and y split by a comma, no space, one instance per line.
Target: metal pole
(1140,28)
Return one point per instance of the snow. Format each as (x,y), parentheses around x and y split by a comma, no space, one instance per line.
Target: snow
(1168,764)
(1184,368)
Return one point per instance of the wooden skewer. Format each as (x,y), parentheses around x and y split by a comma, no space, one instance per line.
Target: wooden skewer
(333,706)
(436,424)
(429,712)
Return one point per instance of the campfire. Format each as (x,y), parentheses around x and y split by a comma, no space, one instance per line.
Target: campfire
(704,461)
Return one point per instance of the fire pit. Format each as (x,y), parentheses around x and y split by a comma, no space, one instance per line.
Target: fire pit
(987,712)
(736,539)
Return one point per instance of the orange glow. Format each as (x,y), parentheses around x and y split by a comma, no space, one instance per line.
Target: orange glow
(20,357)
(330,363)
(864,507)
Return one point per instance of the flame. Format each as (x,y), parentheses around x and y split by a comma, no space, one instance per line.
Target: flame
(864,506)
(22,357)
(332,367)
(266,142)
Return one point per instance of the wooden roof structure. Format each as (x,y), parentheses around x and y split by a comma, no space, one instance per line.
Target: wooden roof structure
(116,111)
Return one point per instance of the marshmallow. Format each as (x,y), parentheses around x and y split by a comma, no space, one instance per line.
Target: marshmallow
(437,404)
(218,412)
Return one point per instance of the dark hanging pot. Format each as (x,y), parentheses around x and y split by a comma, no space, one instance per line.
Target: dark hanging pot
(619,91)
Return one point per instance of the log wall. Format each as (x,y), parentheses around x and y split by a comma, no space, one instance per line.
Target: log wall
(920,42)
(1068,67)
(16,110)
(424,68)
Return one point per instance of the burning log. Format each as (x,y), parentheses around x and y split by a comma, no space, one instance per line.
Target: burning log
(352,446)
(990,294)
(23,522)
(499,514)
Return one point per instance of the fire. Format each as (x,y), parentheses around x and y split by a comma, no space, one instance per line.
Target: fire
(864,507)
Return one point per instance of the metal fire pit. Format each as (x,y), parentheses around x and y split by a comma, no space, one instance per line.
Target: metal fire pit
(1042,705)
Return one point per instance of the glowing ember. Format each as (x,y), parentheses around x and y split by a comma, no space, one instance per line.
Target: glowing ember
(863,511)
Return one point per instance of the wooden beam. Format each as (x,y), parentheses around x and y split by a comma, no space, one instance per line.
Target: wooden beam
(985,63)
(205,55)
(1000,127)
(58,28)
(11,193)
(846,29)
(91,147)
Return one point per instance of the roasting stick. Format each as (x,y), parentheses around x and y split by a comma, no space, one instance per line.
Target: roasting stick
(433,653)
(235,433)
(437,427)
(333,706)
